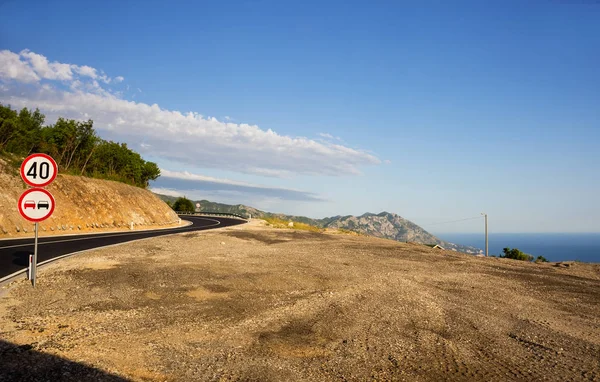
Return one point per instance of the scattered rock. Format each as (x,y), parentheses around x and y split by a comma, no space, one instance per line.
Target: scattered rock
(18,229)
(222,243)
(78,227)
(24,230)
(563,265)
(51,228)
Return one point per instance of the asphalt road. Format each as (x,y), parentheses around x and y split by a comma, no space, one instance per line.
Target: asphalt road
(14,254)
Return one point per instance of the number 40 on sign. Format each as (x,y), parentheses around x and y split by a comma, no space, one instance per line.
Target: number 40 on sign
(38,170)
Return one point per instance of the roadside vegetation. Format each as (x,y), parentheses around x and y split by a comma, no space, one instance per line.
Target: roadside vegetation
(516,254)
(281,223)
(74,145)
(183,204)
(350,232)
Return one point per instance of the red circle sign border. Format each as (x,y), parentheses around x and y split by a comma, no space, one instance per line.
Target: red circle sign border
(27,192)
(35,156)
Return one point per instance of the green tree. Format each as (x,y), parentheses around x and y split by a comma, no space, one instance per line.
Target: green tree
(75,147)
(515,254)
(183,204)
(150,171)
(9,124)
(20,132)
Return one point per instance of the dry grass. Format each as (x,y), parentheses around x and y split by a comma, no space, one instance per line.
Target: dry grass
(281,223)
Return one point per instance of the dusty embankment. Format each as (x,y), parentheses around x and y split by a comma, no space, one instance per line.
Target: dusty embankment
(82,204)
(261,304)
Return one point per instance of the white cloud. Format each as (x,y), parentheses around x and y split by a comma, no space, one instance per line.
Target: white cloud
(183,137)
(166,191)
(119,79)
(228,197)
(185,182)
(86,71)
(29,67)
(12,68)
(47,70)
(185,175)
(329,136)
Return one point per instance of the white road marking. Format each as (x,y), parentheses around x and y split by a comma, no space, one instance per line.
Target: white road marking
(103,236)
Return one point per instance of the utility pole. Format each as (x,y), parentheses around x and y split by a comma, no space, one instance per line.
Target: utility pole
(486,234)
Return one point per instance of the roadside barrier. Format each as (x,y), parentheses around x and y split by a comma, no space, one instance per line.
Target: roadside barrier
(225,214)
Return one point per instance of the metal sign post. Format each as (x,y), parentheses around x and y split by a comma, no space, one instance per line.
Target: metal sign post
(34,262)
(37,204)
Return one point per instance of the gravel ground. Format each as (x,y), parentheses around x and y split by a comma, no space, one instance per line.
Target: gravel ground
(253,303)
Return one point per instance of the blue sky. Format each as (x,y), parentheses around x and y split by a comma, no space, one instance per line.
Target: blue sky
(434,110)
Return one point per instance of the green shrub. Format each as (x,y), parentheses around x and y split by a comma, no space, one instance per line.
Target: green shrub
(183,204)
(541,259)
(348,231)
(515,254)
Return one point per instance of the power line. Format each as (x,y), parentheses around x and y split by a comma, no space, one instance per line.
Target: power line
(455,221)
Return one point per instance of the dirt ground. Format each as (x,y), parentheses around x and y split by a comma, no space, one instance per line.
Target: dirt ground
(252,303)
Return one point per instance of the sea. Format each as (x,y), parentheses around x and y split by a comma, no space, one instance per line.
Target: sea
(583,247)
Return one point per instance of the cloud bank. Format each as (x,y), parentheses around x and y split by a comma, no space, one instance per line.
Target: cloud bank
(176,183)
(30,80)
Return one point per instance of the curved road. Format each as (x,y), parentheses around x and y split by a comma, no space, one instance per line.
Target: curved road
(14,254)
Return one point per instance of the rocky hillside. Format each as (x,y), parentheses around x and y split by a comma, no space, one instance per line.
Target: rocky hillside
(392,226)
(82,204)
(384,225)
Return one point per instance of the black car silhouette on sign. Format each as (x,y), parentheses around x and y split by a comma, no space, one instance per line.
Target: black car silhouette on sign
(43,204)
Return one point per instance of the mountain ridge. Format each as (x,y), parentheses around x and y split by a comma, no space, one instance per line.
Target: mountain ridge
(387,225)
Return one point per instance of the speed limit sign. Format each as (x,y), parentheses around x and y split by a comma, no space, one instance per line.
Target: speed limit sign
(38,170)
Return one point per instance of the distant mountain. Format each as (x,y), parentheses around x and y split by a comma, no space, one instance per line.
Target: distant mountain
(392,226)
(385,224)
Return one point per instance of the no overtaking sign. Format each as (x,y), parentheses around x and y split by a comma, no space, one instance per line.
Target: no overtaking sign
(36,204)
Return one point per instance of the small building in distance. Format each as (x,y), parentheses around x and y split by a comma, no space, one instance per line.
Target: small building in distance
(435,246)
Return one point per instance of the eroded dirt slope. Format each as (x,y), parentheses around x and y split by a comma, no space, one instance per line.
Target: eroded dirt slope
(254,303)
(82,204)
